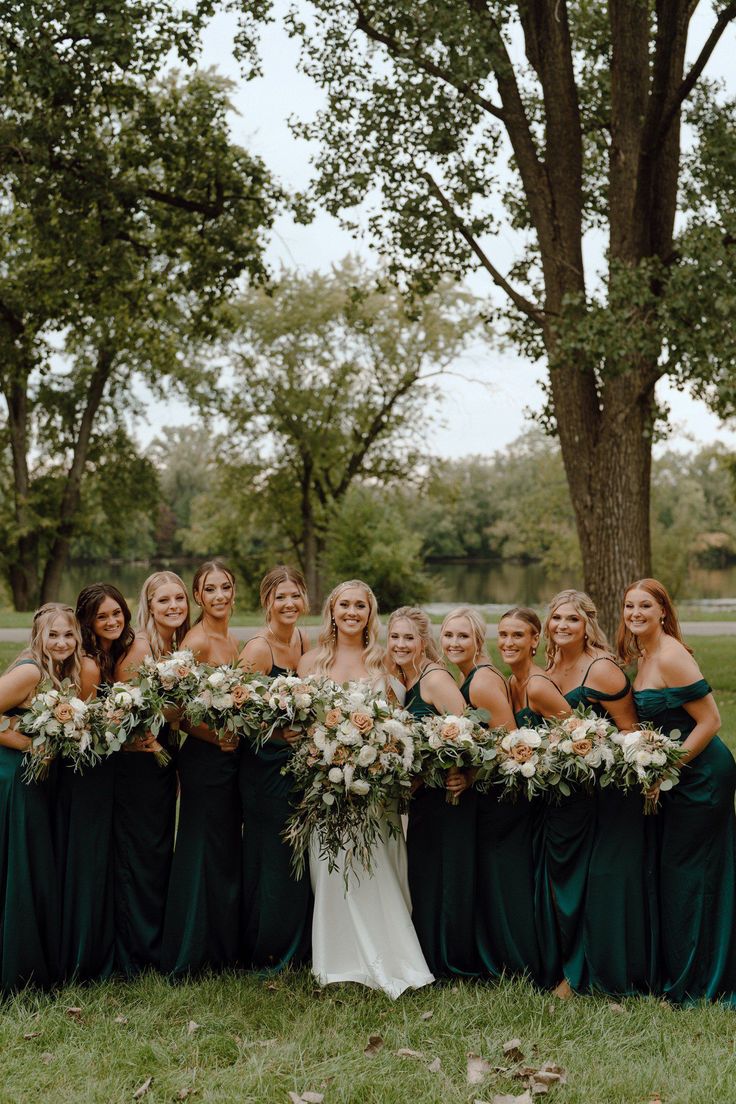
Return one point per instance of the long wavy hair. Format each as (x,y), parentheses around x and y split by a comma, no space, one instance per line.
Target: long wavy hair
(477,626)
(145,622)
(423,627)
(200,578)
(327,639)
(273,579)
(627,644)
(596,644)
(89,600)
(38,651)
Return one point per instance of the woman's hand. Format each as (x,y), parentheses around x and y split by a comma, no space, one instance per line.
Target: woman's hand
(457,781)
(229,743)
(173,715)
(291,736)
(142,743)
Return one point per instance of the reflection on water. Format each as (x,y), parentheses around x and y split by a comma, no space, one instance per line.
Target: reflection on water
(502,584)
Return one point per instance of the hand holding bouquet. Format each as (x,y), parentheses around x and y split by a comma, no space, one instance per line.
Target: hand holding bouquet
(169,683)
(126,713)
(290,702)
(451,741)
(58,723)
(647,760)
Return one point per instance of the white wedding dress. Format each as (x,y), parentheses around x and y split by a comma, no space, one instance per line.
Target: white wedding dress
(365,933)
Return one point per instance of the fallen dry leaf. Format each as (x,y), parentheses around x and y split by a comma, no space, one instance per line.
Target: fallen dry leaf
(121,1019)
(192,1026)
(74,1012)
(143,1089)
(404,1052)
(426,1015)
(614,1007)
(32,1034)
(477,1069)
(509,1098)
(295,1098)
(512,1050)
(374,1044)
(435,1066)
(312,1097)
(271,985)
(47,1056)
(184,1094)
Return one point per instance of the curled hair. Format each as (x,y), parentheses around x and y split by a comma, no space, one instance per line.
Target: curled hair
(89,600)
(145,621)
(596,643)
(627,645)
(477,625)
(526,614)
(327,639)
(200,577)
(38,651)
(273,579)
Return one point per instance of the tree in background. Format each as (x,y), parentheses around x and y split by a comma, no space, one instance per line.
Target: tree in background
(334,385)
(460,132)
(127,215)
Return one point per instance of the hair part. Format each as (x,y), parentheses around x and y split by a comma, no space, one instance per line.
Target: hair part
(273,579)
(327,639)
(627,644)
(89,600)
(37,649)
(200,578)
(526,614)
(595,638)
(145,620)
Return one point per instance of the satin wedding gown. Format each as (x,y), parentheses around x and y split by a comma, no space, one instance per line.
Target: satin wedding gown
(365,934)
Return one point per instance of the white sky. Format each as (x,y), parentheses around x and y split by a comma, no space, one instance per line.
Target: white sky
(478,419)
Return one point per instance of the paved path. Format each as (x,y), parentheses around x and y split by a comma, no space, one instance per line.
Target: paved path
(246,632)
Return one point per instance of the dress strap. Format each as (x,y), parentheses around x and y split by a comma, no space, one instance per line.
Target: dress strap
(495,670)
(20,662)
(600,695)
(301,641)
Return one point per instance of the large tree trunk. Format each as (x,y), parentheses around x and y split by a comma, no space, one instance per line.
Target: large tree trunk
(57,557)
(23,572)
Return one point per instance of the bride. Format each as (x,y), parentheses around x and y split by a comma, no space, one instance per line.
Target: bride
(364,933)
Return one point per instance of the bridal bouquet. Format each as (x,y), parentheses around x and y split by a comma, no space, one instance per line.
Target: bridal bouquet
(127,712)
(452,741)
(579,746)
(647,760)
(357,760)
(59,723)
(288,701)
(168,684)
(227,700)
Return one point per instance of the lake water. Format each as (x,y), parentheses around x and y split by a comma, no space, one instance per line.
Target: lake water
(483,584)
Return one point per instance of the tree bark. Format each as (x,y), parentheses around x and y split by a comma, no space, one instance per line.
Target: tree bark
(23,569)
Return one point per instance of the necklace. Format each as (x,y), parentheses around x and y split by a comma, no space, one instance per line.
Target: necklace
(282,643)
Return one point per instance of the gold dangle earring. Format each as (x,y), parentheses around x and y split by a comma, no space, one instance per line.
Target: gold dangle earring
(334,630)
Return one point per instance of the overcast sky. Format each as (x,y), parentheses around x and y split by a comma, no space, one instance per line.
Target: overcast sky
(478,418)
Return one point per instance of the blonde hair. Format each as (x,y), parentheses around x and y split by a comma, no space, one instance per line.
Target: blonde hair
(423,626)
(327,639)
(273,579)
(477,625)
(145,620)
(37,649)
(595,639)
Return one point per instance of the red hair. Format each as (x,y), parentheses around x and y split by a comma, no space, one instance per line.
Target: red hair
(626,643)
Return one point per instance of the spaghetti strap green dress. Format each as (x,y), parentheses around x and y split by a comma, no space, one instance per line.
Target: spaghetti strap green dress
(276,905)
(441,846)
(84,858)
(697,858)
(29,897)
(143,845)
(202,920)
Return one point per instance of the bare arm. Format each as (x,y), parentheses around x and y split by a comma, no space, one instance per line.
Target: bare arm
(16,687)
(256,656)
(89,679)
(607,676)
(678,668)
(544,698)
(488,691)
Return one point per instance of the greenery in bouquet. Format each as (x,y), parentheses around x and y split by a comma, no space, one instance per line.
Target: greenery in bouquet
(290,702)
(354,772)
(580,749)
(523,763)
(168,684)
(126,713)
(644,760)
(228,701)
(455,741)
(59,723)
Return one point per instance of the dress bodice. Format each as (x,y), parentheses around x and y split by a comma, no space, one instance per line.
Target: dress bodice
(664,707)
(592,698)
(415,703)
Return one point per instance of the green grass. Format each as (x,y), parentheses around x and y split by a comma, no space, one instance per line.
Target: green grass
(256,1042)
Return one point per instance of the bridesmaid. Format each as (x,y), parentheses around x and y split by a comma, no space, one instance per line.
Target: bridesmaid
(29,900)
(203,905)
(145,792)
(440,836)
(597,849)
(84,802)
(277,907)
(697,828)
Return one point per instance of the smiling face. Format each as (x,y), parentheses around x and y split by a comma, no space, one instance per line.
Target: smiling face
(405,645)
(169,606)
(351,611)
(108,622)
(458,641)
(517,640)
(60,638)
(643,614)
(215,594)
(287,604)
(567,626)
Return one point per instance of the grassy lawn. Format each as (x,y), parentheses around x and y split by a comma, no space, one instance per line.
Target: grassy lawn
(239,1039)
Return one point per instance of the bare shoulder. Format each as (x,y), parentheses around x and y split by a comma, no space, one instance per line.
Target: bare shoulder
(676,665)
(195,640)
(490,683)
(307,662)
(545,697)
(605,675)
(89,667)
(17,684)
(139,649)
(256,655)
(436,678)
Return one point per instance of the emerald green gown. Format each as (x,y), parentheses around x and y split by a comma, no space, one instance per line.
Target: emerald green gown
(143,843)
(276,906)
(506,843)
(441,846)
(29,898)
(202,919)
(697,858)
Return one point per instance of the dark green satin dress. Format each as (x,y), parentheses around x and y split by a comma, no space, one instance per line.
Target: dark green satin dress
(29,898)
(202,920)
(276,906)
(441,846)
(143,845)
(84,857)
(697,858)
(506,844)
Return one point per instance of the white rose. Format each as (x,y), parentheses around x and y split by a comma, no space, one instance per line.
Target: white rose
(528,769)
(643,758)
(335,774)
(319,738)
(659,758)
(566,746)
(630,738)
(123,697)
(222,701)
(366,755)
(302,701)
(216,679)
(359,786)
